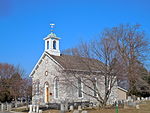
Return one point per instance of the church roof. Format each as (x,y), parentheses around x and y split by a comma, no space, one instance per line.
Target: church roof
(78,63)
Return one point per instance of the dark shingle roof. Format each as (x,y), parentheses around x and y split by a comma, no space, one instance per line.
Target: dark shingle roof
(78,63)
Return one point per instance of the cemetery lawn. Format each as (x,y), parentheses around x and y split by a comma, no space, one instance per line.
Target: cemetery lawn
(144,108)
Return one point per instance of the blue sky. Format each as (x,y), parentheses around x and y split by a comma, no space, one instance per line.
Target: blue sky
(24,24)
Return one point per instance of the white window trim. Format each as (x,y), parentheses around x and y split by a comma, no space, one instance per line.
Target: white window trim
(96,87)
(81,89)
(37,88)
(55,88)
(47,45)
(54,44)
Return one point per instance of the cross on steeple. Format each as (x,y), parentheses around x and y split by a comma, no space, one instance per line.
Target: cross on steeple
(52,27)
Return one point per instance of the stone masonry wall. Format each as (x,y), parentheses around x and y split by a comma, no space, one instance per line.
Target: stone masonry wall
(66,92)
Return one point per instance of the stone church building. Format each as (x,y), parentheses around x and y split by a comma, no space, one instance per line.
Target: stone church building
(52,76)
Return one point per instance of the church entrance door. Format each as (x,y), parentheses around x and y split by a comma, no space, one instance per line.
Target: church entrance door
(46,93)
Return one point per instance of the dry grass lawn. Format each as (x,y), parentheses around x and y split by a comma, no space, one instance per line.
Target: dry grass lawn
(144,108)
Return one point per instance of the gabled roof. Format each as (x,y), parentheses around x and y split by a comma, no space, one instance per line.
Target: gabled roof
(122,89)
(40,60)
(77,63)
(68,62)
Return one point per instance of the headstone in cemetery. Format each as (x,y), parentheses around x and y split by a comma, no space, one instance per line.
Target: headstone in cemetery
(90,106)
(30,109)
(84,111)
(76,111)
(8,107)
(97,104)
(129,98)
(137,107)
(79,108)
(34,108)
(21,100)
(40,111)
(2,107)
(142,98)
(16,104)
(94,104)
(134,97)
(46,106)
(125,107)
(66,105)
(63,106)
(146,98)
(37,108)
(71,108)
(130,103)
(138,98)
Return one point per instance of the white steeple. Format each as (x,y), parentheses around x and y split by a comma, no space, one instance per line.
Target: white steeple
(52,43)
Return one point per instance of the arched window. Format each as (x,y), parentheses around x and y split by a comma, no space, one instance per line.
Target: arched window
(34,88)
(47,44)
(95,86)
(54,44)
(37,87)
(56,81)
(80,88)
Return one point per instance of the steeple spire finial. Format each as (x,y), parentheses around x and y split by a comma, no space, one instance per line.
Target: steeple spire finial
(52,27)
(52,42)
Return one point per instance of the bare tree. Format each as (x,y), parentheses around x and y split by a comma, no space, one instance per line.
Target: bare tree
(99,55)
(119,49)
(132,50)
(12,83)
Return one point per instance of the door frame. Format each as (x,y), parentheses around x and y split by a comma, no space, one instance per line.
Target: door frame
(46,94)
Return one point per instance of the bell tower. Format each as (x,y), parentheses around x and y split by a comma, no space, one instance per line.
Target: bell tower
(52,43)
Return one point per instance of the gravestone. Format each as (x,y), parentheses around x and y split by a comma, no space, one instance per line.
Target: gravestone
(30,109)
(2,107)
(16,104)
(40,111)
(37,108)
(84,111)
(34,106)
(97,104)
(79,108)
(76,111)
(129,98)
(66,106)
(137,107)
(142,98)
(138,98)
(62,108)
(130,103)
(134,97)
(71,108)
(8,107)
(146,98)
